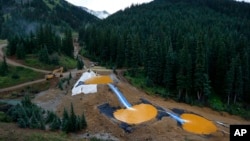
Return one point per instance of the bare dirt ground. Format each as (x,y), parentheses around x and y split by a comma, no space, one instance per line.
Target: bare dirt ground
(103,127)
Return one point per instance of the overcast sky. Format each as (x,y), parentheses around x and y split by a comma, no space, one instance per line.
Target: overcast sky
(110,6)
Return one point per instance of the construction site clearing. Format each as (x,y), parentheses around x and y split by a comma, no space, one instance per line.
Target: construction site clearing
(105,114)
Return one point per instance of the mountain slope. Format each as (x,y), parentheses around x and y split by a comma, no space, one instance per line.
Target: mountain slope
(21,16)
(99,14)
(196,50)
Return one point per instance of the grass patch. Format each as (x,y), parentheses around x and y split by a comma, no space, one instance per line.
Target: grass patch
(10,132)
(64,61)
(32,90)
(46,137)
(4,117)
(67,62)
(18,75)
(32,61)
(140,80)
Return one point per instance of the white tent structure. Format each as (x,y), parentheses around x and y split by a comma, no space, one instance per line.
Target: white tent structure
(80,87)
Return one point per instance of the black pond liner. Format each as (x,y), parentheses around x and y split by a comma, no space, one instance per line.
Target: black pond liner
(108,111)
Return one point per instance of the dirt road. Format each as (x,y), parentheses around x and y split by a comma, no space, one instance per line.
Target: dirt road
(11,62)
(18,64)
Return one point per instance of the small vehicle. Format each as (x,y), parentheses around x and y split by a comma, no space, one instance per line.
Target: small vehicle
(53,73)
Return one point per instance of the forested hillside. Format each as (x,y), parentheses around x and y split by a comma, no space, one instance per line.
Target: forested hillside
(23,16)
(197,51)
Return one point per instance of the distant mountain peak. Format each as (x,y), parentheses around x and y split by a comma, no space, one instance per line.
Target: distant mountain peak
(99,14)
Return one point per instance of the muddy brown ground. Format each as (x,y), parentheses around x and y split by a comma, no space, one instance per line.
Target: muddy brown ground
(155,130)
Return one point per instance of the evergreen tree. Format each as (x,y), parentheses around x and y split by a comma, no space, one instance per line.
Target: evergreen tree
(246,75)
(67,44)
(201,80)
(169,71)
(42,125)
(230,81)
(12,45)
(206,86)
(152,59)
(234,81)
(55,124)
(184,76)
(220,65)
(70,75)
(135,54)
(238,84)
(80,63)
(34,124)
(4,67)
(60,85)
(73,119)
(20,51)
(65,121)
(1,19)
(44,55)
(22,123)
(83,122)
(120,53)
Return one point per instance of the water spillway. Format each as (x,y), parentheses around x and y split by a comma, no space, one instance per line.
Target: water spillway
(176,117)
(120,96)
(132,114)
(194,123)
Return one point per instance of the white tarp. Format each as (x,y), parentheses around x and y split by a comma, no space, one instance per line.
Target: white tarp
(80,87)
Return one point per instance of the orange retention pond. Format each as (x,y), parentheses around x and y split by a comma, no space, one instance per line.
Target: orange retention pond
(136,114)
(197,124)
(102,79)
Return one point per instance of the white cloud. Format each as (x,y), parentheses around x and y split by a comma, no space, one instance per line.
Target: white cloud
(244,0)
(109,5)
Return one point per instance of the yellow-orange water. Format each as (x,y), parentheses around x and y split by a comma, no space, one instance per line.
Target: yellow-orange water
(136,114)
(197,124)
(103,79)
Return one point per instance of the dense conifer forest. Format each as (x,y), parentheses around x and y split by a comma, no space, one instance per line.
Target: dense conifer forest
(197,50)
(42,29)
(23,16)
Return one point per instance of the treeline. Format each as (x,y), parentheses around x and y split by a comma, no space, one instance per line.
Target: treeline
(46,43)
(22,16)
(198,50)
(4,67)
(29,115)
